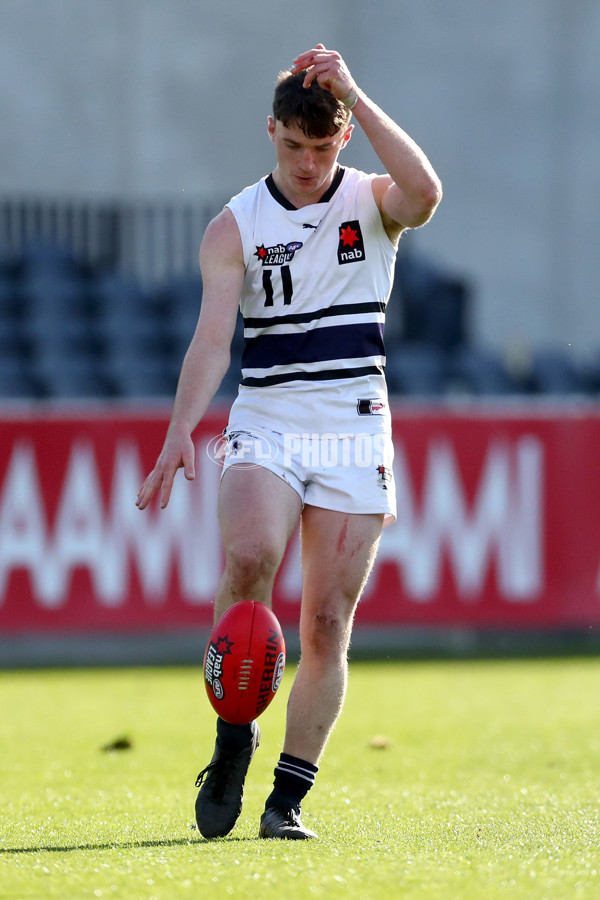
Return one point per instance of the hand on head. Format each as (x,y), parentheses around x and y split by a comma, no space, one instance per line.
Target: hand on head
(327,67)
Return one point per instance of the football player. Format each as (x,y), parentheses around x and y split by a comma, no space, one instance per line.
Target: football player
(308,255)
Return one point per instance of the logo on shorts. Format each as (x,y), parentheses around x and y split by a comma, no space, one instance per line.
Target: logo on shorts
(384,475)
(278,255)
(351,246)
(244,448)
(370,407)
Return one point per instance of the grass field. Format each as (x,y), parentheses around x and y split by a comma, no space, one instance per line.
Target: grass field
(470,780)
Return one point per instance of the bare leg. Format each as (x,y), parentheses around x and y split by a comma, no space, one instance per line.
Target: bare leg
(338,551)
(258,512)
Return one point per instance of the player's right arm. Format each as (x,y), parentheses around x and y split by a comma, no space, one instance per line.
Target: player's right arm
(207,358)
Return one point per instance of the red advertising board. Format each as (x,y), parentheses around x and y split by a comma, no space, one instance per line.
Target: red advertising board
(498,523)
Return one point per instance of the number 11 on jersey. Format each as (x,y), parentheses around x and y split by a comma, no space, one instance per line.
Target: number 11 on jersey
(286,283)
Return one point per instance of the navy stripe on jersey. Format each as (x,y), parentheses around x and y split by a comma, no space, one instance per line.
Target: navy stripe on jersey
(343,309)
(319,344)
(322,375)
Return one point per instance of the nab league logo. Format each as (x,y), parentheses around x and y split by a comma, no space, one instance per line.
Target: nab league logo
(351,246)
(213,665)
(278,255)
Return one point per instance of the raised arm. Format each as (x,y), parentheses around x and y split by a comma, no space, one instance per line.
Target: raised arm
(410,192)
(207,358)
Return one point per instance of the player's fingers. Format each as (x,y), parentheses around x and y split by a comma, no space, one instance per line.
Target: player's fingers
(318,70)
(329,73)
(153,484)
(306,58)
(147,491)
(167,487)
(188,463)
(309,77)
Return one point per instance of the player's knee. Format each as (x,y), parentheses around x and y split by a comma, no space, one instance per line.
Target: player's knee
(326,635)
(251,567)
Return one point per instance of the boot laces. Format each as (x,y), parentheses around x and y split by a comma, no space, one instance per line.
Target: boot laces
(222,768)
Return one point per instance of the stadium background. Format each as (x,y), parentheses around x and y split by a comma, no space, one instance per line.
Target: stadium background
(125,125)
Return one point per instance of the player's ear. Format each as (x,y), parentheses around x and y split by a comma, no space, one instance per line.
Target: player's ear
(347,135)
(271,127)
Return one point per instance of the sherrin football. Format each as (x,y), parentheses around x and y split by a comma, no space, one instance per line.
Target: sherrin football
(244,662)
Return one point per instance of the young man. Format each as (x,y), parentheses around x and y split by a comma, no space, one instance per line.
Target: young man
(308,254)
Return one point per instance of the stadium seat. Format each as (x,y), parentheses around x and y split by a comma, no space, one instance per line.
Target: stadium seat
(416,370)
(73,378)
(12,342)
(51,296)
(555,371)
(180,303)
(14,363)
(179,331)
(58,337)
(10,263)
(42,257)
(434,306)
(181,296)
(137,336)
(11,305)
(479,372)
(142,377)
(590,371)
(114,293)
(16,380)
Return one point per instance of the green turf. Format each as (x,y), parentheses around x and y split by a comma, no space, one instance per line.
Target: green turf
(486,787)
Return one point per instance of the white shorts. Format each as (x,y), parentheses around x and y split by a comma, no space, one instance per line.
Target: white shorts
(346,473)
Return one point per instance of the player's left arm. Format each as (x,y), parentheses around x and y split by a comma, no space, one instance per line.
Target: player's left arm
(410,192)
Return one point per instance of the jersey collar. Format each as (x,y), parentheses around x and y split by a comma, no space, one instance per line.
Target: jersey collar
(283,201)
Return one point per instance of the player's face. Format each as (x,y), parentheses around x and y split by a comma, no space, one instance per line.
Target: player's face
(305,166)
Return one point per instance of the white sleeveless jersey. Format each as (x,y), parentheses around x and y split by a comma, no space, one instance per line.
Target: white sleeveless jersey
(313,302)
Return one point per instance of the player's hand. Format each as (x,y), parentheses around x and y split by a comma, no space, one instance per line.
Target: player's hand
(177,453)
(328,67)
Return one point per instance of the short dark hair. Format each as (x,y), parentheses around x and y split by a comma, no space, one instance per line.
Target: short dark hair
(315,110)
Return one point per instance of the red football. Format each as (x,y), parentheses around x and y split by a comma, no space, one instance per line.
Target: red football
(244,661)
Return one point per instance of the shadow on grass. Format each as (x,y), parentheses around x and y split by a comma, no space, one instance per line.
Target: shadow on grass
(115,845)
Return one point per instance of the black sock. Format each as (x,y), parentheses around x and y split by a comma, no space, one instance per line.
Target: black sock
(239,736)
(293,779)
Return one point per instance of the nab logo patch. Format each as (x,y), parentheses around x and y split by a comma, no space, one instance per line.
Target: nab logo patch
(278,255)
(351,247)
